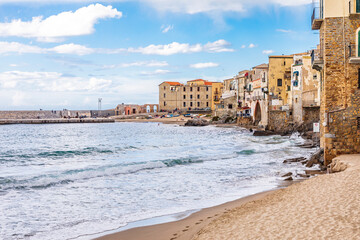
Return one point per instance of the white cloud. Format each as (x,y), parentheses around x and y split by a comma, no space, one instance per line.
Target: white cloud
(52,82)
(243,46)
(251,45)
(72,49)
(176,48)
(156,72)
(204,65)
(15,47)
(268,52)
(56,27)
(165,29)
(284,30)
(18,99)
(168,49)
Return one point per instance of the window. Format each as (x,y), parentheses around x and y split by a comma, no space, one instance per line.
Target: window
(190,96)
(207,88)
(164,87)
(207,104)
(190,89)
(184,104)
(359,78)
(164,103)
(357,6)
(230,106)
(207,96)
(198,89)
(191,104)
(358,123)
(198,96)
(279,82)
(184,96)
(198,104)
(164,95)
(184,89)
(288,88)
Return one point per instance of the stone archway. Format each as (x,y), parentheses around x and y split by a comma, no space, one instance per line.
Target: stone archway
(257,115)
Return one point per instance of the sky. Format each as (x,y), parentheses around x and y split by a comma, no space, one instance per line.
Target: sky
(67,54)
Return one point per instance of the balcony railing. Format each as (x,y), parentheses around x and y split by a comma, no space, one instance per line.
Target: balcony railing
(317,61)
(317,15)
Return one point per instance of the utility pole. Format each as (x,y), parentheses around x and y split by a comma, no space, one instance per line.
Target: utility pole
(99,106)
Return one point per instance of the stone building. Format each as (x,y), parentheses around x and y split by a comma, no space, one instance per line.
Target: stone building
(229,98)
(197,94)
(339,63)
(134,109)
(304,97)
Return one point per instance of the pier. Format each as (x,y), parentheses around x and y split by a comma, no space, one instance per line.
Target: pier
(56,120)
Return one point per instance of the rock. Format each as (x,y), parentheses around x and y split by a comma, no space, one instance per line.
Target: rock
(337,166)
(263,133)
(287,175)
(303,175)
(197,122)
(315,158)
(292,160)
(288,179)
(314,172)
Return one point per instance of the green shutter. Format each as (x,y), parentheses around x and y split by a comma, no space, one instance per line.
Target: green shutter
(358,6)
(358,53)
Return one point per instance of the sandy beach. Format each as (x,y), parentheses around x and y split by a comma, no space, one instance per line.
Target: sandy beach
(323,207)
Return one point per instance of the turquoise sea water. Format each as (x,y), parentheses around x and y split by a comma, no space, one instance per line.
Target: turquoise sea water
(67,180)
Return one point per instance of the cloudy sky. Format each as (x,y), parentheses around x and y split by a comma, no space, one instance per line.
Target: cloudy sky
(67,54)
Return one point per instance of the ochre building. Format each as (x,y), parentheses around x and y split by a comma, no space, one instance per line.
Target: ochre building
(197,94)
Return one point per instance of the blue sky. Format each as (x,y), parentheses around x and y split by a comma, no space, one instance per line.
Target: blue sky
(69,53)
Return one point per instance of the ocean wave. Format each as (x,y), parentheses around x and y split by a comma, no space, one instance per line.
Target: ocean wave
(246,152)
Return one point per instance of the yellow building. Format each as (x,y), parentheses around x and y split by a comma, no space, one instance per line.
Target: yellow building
(279,80)
(197,94)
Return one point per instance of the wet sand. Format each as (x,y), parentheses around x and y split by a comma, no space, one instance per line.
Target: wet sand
(323,207)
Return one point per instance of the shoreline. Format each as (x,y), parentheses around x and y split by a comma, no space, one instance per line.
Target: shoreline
(301,208)
(180,225)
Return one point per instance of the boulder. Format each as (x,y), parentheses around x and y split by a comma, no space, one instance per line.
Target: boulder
(292,160)
(288,179)
(263,133)
(315,158)
(314,172)
(303,175)
(287,175)
(337,166)
(197,122)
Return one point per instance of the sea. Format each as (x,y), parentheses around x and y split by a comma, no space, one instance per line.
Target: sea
(78,181)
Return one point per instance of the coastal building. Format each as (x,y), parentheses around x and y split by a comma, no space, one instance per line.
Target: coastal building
(229,98)
(304,97)
(339,63)
(195,95)
(133,109)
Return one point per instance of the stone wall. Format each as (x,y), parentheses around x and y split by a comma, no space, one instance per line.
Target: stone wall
(29,114)
(244,121)
(279,121)
(311,115)
(340,107)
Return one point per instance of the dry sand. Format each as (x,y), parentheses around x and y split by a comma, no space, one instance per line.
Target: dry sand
(324,207)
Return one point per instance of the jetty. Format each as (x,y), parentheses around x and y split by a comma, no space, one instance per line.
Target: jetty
(56,120)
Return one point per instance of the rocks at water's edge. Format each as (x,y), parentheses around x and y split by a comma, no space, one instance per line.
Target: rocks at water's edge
(293,160)
(287,175)
(316,158)
(198,122)
(288,179)
(264,133)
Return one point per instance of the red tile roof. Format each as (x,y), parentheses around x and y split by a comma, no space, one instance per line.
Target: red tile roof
(174,83)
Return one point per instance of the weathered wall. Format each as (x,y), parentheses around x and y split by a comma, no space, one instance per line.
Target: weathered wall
(340,106)
(29,114)
(278,121)
(311,115)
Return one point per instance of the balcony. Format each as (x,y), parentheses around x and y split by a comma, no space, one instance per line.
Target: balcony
(317,15)
(317,61)
(229,94)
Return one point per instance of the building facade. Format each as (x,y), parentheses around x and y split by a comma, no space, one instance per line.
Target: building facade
(197,94)
(339,63)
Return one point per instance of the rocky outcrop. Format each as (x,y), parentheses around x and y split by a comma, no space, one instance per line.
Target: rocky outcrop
(294,160)
(198,122)
(337,166)
(264,133)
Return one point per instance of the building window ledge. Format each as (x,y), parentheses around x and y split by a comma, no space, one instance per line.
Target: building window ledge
(354,60)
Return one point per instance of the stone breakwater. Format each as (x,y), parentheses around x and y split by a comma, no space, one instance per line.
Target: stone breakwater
(54,121)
